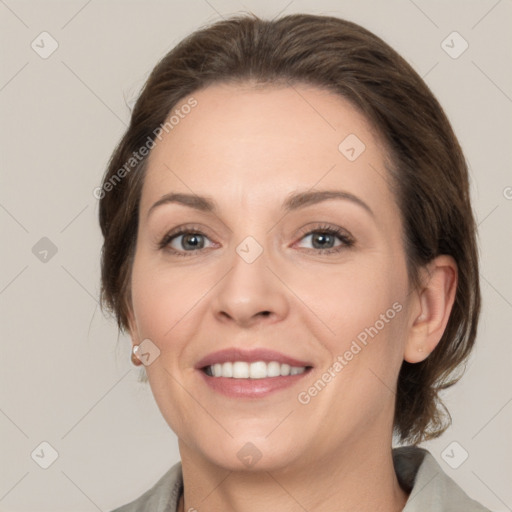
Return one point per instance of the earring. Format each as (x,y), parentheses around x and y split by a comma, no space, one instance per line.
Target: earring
(420,349)
(135,360)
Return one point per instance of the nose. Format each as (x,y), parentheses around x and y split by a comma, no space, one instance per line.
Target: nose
(250,294)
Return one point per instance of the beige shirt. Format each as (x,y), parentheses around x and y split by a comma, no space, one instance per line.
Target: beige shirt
(417,471)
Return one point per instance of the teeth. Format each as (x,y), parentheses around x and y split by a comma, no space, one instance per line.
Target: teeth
(227,370)
(240,371)
(256,370)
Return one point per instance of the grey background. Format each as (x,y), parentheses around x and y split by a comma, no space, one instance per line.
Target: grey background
(65,375)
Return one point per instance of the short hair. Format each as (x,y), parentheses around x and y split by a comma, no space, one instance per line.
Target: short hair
(427,168)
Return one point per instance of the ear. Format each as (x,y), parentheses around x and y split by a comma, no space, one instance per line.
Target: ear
(432,309)
(132,327)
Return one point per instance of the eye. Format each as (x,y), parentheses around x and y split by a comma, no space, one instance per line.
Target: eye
(324,239)
(184,240)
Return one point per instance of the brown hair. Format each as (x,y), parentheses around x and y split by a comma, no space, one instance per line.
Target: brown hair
(427,166)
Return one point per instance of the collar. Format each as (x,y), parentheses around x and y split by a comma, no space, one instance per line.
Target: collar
(416,469)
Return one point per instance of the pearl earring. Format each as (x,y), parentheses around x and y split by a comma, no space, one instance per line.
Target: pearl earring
(135,360)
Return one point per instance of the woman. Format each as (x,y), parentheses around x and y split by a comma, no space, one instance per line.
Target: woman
(290,243)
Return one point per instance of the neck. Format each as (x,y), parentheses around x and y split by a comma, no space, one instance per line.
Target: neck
(355,479)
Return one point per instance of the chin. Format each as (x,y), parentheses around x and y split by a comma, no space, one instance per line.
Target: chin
(252,454)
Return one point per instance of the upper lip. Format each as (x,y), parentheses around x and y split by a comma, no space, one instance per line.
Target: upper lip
(249,356)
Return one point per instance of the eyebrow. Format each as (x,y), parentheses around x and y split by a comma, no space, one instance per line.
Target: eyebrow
(294,201)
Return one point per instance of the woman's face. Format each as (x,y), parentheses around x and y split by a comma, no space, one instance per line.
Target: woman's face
(271,271)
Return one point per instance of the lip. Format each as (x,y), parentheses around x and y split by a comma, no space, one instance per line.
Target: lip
(249,356)
(250,388)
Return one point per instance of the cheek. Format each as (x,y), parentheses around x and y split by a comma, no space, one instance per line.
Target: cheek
(352,297)
(163,302)
(363,303)
(163,297)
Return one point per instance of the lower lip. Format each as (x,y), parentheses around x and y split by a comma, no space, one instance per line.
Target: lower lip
(251,388)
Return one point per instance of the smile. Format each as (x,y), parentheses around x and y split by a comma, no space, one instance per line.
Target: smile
(253,370)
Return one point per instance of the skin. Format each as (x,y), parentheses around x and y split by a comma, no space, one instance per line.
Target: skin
(248,148)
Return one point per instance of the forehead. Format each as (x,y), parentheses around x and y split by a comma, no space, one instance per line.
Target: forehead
(239,141)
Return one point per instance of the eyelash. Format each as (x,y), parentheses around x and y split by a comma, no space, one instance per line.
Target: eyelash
(326,229)
(186,230)
(344,237)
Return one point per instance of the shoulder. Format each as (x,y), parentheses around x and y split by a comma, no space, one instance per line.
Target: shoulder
(429,486)
(162,497)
